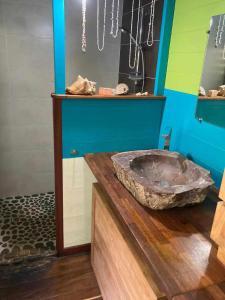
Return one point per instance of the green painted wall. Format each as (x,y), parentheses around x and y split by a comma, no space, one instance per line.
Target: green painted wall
(204,143)
(188,43)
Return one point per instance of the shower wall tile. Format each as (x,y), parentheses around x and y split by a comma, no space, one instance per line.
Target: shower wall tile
(24,18)
(5,112)
(124,78)
(128,4)
(33,75)
(158,18)
(21,184)
(22,115)
(46,3)
(150,53)
(2,30)
(37,161)
(4,69)
(6,139)
(40,181)
(149,85)
(32,137)
(26,81)
(151,58)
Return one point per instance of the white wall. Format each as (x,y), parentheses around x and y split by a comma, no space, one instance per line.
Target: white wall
(26,81)
(77,201)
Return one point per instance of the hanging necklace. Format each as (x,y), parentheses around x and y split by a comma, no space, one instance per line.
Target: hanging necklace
(218,32)
(117,18)
(132,66)
(221,30)
(103,34)
(150,37)
(223,52)
(84,38)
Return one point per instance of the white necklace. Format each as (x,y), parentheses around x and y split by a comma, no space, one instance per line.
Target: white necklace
(132,66)
(218,32)
(100,48)
(221,30)
(224,52)
(150,37)
(117,19)
(84,38)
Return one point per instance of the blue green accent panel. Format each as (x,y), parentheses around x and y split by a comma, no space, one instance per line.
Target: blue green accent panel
(59,45)
(212,111)
(165,35)
(91,126)
(202,142)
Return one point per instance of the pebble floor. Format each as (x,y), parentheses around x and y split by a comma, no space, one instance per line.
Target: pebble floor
(27,228)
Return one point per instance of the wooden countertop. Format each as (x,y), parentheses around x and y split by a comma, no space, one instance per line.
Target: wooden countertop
(206,98)
(174,243)
(101,97)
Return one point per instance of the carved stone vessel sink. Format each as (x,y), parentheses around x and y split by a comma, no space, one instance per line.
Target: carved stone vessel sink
(162,179)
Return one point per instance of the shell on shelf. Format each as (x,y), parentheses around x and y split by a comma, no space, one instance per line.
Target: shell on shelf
(121,89)
(82,86)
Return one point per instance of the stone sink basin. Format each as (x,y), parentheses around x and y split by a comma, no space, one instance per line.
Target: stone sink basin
(162,179)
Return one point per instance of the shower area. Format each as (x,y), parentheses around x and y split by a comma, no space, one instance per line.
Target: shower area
(27,202)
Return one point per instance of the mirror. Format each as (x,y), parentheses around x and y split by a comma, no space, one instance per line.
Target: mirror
(113,42)
(211,101)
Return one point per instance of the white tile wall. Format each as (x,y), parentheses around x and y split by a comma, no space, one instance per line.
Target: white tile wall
(77,198)
(26,81)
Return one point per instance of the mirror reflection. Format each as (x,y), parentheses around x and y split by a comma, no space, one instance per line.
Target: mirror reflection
(114,44)
(211,102)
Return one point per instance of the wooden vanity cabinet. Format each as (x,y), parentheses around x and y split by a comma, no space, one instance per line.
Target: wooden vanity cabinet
(120,272)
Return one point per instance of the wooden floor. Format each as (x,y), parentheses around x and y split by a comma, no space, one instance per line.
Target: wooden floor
(67,278)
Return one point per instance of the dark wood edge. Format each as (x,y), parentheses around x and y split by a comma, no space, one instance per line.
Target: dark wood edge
(77,249)
(61,251)
(57,124)
(101,97)
(217,98)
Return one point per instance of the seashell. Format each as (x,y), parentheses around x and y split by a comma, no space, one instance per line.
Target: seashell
(82,86)
(201,91)
(212,93)
(221,91)
(121,89)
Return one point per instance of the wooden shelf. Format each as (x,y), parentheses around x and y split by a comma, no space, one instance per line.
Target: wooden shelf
(100,97)
(205,98)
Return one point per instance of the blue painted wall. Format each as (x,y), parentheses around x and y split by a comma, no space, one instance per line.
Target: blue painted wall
(110,125)
(204,142)
(59,45)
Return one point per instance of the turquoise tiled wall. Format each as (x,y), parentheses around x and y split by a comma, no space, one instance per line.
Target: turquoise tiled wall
(110,125)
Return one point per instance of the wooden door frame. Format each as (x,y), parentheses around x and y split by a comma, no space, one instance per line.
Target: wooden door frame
(58,160)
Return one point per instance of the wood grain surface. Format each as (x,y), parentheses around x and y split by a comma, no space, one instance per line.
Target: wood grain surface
(213,292)
(118,268)
(175,244)
(218,228)
(101,97)
(66,278)
(222,189)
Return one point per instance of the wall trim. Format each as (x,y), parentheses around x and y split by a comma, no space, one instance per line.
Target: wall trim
(57,120)
(164,44)
(77,249)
